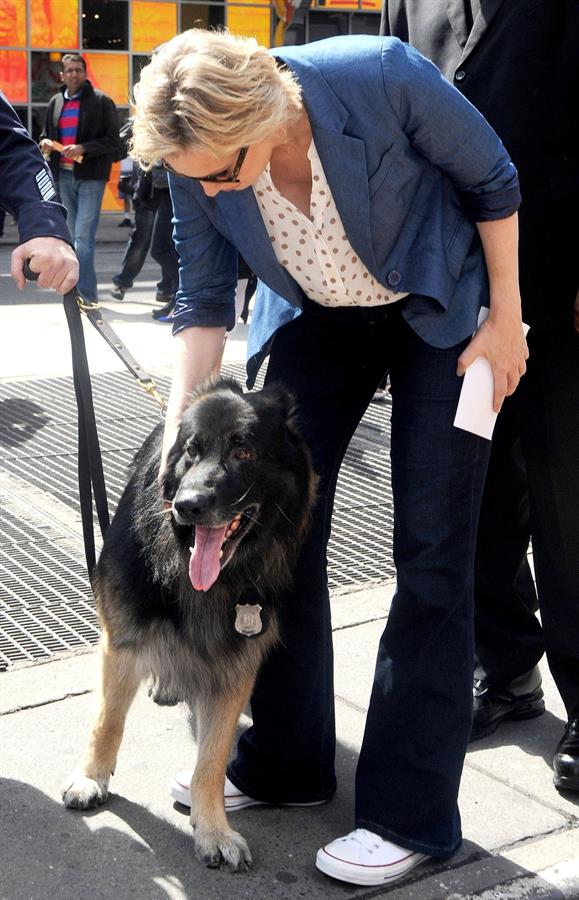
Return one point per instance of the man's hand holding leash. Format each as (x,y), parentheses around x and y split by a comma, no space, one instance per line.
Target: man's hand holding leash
(52,258)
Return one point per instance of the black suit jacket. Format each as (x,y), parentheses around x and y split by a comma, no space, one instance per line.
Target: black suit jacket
(519,65)
(98,132)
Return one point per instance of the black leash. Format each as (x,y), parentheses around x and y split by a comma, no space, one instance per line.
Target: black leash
(91,480)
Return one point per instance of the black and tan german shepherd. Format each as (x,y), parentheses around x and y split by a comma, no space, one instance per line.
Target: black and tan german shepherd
(188,596)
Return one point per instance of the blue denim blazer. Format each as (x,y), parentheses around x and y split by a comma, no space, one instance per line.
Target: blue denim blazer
(412,166)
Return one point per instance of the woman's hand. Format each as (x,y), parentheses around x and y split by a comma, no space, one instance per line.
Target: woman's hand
(500,340)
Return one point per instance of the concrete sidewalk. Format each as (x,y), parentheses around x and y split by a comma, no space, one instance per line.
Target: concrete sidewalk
(521,836)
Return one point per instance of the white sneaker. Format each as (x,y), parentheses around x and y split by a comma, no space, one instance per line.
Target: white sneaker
(363,857)
(180,790)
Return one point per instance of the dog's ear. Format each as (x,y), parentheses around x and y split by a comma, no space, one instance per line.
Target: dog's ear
(278,398)
(170,481)
(230,383)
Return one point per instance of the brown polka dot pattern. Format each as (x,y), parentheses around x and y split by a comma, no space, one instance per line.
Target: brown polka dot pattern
(315,249)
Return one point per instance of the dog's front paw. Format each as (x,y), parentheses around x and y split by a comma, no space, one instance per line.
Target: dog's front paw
(225,849)
(83,792)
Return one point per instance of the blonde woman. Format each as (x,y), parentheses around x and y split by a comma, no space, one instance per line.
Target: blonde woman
(378,210)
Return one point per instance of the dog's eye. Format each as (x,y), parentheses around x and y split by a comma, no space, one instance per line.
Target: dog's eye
(192,448)
(242,453)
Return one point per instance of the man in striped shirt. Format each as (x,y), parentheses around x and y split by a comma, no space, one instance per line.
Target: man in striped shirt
(81,135)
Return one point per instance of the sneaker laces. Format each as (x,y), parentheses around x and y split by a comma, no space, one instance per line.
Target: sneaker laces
(366,839)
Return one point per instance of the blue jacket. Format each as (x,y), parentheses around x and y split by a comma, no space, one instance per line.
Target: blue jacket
(411,165)
(26,186)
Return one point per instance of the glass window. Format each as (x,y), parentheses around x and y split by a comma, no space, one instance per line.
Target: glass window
(343,4)
(323,25)
(365,23)
(138,63)
(250,21)
(105,24)
(152,24)
(13,80)
(22,113)
(45,68)
(202,15)
(12,23)
(38,116)
(295,34)
(54,23)
(111,200)
(109,72)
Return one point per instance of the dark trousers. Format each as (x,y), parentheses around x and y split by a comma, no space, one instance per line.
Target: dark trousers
(162,246)
(137,246)
(533,489)
(420,710)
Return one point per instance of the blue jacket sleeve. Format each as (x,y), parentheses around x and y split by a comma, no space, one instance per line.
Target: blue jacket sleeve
(447,130)
(207,264)
(26,187)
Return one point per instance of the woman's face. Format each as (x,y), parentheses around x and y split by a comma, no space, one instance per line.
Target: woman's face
(198,164)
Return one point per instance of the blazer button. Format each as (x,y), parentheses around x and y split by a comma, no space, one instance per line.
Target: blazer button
(394,278)
(460,75)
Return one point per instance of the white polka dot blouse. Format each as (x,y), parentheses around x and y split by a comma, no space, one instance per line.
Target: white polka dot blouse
(316,250)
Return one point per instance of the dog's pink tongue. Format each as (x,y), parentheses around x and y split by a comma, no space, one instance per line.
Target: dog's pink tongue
(204,565)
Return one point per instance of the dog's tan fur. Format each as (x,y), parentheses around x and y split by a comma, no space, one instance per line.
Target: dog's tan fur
(216,842)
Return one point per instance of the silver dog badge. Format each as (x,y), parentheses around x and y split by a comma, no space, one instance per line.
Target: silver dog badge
(248,619)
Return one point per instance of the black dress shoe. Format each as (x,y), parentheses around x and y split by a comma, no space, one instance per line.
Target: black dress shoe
(164,297)
(164,311)
(521,698)
(566,759)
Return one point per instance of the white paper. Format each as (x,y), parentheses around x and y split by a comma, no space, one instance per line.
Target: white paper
(475,411)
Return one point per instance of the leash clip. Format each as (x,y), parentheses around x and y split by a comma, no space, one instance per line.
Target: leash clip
(151,388)
(84,305)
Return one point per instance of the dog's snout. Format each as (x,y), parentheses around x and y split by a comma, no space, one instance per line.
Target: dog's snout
(194,505)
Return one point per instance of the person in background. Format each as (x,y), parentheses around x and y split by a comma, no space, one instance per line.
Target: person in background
(139,240)
(518,63)
(84,121)
(28,193)
(162,245)
(154,229)
(378,210)
(125,188)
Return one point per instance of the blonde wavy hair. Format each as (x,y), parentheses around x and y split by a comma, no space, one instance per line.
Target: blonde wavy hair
(211,91)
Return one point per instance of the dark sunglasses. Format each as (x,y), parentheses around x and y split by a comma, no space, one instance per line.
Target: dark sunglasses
(220,178)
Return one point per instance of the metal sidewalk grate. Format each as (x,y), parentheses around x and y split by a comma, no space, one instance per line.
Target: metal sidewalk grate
(46,605)
(45,602)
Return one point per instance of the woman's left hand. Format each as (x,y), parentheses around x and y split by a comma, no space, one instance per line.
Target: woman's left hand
(500,340)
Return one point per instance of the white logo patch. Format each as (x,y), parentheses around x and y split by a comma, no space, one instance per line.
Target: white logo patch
(45,185)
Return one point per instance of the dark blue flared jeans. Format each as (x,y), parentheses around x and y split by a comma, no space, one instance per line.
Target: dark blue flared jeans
(419,714)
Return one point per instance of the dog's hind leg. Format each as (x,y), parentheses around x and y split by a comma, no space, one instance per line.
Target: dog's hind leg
(216,844)
(119,680)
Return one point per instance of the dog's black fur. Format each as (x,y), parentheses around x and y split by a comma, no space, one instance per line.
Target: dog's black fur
(238,458)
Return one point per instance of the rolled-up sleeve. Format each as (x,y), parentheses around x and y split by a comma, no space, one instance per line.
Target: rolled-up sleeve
(207,264)
(449,131)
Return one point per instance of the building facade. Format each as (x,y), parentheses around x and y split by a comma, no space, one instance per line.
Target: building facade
(116,37)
